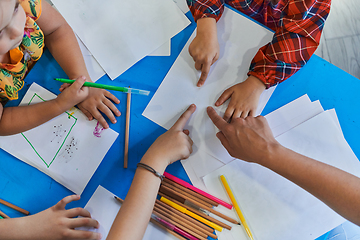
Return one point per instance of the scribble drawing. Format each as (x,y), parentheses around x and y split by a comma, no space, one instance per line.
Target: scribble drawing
(69,150)
(59,132)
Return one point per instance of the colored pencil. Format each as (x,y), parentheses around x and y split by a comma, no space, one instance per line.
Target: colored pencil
(197,205)
(236,206)
(187,185)
(196,211)
(156,223)
(191,192)
(191,214)
(181,218)
(108,87)
(10,205)
(127,130)
(185,231)
(3,215)
(187,195)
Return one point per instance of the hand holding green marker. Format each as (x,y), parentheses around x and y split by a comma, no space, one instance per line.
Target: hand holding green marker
(108,87)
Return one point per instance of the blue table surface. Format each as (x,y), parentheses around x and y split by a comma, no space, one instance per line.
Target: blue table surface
(34,191)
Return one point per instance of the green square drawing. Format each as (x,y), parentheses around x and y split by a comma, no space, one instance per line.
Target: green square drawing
(57,152)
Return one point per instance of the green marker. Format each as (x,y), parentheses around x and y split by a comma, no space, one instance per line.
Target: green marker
(1,217)
(108,87)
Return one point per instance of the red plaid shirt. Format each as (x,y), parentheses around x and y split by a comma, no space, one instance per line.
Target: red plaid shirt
(297,25)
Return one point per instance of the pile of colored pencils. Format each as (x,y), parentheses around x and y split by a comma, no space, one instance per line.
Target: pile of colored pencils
(185,210)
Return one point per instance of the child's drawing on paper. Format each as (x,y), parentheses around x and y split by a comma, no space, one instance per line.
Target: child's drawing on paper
(64,148)
(69,150)
(58,133)
(55,133)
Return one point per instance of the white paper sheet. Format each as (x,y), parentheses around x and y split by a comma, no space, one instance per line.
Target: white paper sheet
(182,5)
(163,50)
(104,207)
(120,33)
(281,120)
(275,208)
(93,67)
(178,90)
(64,148)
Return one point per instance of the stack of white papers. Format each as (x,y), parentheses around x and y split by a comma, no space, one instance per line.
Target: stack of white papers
(274,207)
(120,33)
(65,148)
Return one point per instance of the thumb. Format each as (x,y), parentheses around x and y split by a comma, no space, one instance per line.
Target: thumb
(79,82)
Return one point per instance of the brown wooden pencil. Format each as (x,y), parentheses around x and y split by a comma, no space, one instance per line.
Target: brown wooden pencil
(3,215)
(193,203)
(178,223)
(127,130)
(10,205)
(179,226)
(167,229)
(158,224)
(208,200)
(211,219)
(179,219)
(188,218)
(186,194)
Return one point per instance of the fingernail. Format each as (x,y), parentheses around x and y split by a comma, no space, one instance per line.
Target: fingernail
(114,121)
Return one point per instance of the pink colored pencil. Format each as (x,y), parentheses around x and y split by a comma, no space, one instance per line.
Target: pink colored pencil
(189,186)
(174,228)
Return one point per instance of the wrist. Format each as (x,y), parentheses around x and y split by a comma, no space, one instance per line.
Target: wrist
(256,83)
(206,27)
(273,152)
(156,163)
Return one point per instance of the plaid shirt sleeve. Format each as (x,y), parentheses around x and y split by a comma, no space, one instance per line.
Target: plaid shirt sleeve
(297,34)
(206,8)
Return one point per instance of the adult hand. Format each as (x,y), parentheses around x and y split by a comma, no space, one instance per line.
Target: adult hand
(248,139)
(58,223)
(174,144)
(244,98)
(204,49)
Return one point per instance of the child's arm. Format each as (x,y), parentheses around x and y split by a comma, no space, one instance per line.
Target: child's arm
(251,140)
(62,43)
(138,205)
(54,223)
(14,120)
(204,49)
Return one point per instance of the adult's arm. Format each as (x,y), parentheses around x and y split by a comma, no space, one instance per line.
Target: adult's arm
(251,140)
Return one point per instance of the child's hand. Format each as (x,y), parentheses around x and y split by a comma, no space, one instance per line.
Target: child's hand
(204,49)
(173,145)
(73,94)
(58,223)
(244,98)
(100,100)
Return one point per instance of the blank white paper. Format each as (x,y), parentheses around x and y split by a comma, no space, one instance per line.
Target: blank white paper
(120,33)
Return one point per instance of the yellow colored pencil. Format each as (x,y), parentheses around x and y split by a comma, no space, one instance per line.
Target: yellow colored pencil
(236,206)
(191,214)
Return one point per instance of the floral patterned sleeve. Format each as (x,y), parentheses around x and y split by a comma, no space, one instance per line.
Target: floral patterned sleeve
(32,8)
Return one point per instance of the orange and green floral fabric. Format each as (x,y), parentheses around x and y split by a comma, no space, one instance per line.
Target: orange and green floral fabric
(21,58)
